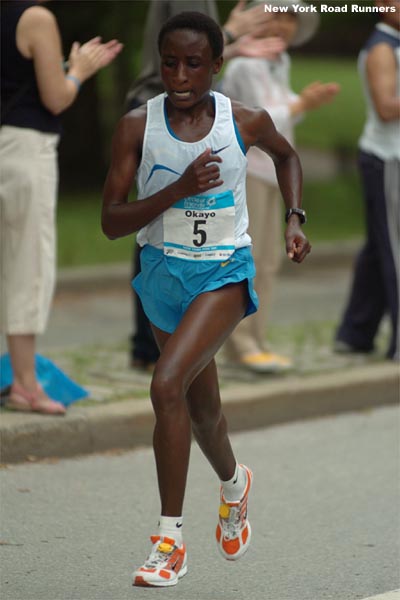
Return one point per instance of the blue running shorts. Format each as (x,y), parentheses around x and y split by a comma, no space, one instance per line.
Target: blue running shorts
(167,285)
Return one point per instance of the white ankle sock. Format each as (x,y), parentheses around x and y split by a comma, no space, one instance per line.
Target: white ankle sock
(233,489)
(171,527)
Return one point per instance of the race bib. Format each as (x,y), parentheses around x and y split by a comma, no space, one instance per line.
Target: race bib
(201,227)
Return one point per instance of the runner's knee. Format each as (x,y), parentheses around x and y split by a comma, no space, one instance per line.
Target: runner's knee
(166,392)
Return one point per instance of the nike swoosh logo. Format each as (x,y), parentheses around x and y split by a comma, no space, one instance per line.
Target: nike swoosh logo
(158,167)
(219,149)
(179,524)
(235,480)
(224,264)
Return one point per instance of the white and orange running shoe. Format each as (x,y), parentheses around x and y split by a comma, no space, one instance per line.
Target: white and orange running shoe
(164,566)
(233,531)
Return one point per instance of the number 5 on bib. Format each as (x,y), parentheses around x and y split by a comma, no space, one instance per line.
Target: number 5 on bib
(201,227)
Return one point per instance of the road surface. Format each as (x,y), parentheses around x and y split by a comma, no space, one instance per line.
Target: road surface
(324,512)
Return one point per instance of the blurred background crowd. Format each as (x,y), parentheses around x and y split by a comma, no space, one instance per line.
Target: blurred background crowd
(327,140)
(333,203)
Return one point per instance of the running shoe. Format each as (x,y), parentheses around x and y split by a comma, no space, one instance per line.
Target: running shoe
(233,530)
(165,565)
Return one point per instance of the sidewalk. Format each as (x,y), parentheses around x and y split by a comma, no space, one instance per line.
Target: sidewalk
(87,337)
(129,423)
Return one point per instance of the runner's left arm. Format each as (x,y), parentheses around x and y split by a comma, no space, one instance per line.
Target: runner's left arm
(257,129)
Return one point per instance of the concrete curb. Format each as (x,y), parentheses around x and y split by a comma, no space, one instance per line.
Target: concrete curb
(129,424)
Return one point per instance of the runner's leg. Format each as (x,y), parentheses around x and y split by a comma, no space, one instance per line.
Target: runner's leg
(184,355)
(208,422)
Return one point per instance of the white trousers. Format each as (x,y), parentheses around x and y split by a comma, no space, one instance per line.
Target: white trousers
(28,191)
(265,228)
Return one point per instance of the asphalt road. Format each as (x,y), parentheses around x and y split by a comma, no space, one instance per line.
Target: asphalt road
(324,512)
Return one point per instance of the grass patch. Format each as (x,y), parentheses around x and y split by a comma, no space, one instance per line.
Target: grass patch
(80,239)
(103,369)
(310,345)
(334,209)
(339,124)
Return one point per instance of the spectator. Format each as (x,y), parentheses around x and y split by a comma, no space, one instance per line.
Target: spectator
(375,287)
(266,83)
(35,90)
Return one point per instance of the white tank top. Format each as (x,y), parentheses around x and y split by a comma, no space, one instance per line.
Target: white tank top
(209,226)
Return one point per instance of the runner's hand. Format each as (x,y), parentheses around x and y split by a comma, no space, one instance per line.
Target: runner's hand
(297,245)
(201,175)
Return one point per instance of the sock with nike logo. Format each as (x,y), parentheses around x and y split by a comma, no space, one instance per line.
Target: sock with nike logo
(234,488)
(171,527)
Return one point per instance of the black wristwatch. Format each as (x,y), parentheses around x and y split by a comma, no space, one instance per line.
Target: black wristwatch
(296,211)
